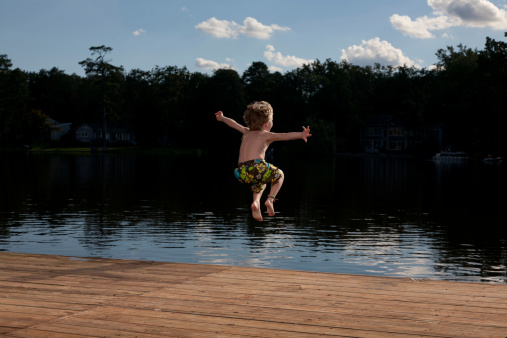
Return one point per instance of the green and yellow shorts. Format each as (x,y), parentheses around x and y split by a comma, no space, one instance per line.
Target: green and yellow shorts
(257,173)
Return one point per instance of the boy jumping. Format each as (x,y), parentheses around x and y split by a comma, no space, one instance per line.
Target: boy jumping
(252,168)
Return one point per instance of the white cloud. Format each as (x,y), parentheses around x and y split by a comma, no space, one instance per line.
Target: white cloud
(284,61)
(376,51)
(420,28)
(475,13)
(230,29)
(255,29)
(452,13)
(138,32)
(209,64)
(219,28)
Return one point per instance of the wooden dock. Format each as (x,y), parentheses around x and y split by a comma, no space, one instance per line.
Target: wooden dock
(56,296)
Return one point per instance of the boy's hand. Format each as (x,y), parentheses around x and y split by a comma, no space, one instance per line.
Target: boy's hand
(305,133)
(219,116)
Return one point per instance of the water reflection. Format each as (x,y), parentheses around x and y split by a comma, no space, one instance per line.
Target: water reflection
(373,215)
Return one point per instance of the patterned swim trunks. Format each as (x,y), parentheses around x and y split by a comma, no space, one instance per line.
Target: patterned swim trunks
(257,173)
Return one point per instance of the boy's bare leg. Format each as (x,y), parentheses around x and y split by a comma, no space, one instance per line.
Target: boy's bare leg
(275,187)
(256,205)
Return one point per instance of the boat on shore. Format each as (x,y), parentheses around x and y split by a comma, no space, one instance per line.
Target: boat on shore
(491,159)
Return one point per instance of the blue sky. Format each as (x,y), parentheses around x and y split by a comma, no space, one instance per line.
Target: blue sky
(204,35)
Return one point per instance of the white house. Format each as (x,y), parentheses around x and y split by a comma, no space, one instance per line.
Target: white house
(116,133)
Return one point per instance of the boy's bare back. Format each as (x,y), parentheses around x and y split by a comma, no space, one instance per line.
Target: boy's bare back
(254,145)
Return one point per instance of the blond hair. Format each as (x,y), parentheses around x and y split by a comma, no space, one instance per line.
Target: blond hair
(257,114)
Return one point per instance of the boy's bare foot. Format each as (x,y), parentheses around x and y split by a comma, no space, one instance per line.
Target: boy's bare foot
(269,206)
(256,211)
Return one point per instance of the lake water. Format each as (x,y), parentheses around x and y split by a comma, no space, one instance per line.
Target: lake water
(360,215)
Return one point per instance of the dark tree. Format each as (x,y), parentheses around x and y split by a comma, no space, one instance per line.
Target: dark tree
(5,63)
(14,100)
(102,69)
(257,80)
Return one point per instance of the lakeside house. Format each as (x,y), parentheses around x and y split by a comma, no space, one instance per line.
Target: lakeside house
(384,133)
(117,134)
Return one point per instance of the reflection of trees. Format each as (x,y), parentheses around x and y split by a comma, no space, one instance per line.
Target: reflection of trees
(14,190)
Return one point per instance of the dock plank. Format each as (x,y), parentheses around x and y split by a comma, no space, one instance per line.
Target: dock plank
(47,296)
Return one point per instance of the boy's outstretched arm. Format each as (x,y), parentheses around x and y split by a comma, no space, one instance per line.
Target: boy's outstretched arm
(304,135)
(230,122)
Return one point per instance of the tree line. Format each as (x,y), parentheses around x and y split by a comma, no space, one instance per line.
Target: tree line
(169,106)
